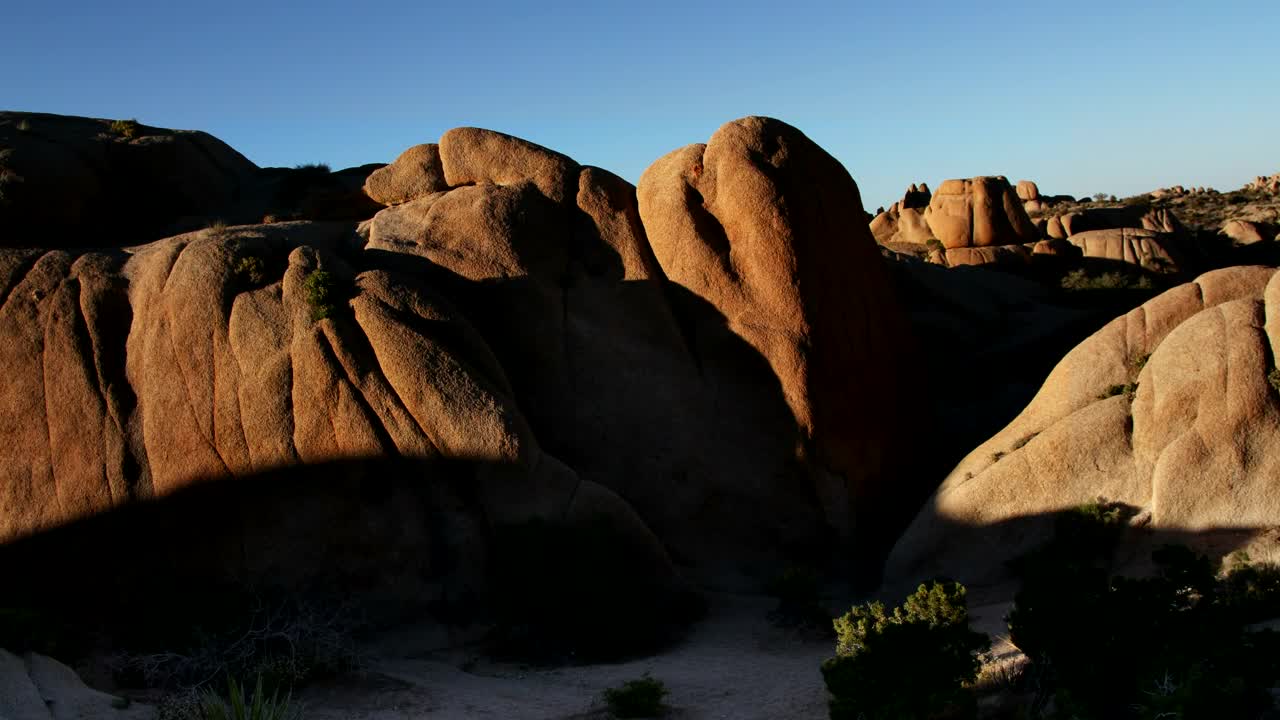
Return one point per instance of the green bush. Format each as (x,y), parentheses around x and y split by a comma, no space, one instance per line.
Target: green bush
(125,128)
(640,698)
(1172,646)
(798,591)
(912,663)
(1078,280)
(1251,590)
(239,706)
(250,270)
(320,288)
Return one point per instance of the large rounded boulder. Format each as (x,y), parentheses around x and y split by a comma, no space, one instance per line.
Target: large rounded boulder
(250,406)
(768,229)
(688,344)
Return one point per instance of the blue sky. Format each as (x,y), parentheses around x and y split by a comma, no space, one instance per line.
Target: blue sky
(1084,97)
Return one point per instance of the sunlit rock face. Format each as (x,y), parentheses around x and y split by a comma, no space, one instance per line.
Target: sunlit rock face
(710,366)
(1168,409)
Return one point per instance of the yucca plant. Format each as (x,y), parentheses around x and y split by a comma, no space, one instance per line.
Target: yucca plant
(258,706)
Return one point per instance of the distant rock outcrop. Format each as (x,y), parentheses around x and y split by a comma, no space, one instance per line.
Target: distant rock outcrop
(979,212)
(1150,250)
(1269,184)
(1168,409)
(1247,232)
(903,222)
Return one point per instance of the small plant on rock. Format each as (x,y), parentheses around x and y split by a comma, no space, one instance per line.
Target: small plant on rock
(1127,389)
(320,288)
(1273,377)
(125,128)
(640,698)
(912,663)
(250,270)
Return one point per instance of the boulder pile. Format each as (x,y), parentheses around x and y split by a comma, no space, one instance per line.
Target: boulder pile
(707,366)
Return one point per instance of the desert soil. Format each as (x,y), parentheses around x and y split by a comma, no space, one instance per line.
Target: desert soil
(734,664)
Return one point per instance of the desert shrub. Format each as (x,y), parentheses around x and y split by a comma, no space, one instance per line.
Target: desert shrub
(286,643)
(934,244)
(250,270)
(1251,590)
(216,228)
(1078,280)
(566,593)
(1105,646)
(912,663)
(640,698)
(1273,377)
(320,288)
(238,705)
(180,705)
(125,128)
(23,125)
(798,591)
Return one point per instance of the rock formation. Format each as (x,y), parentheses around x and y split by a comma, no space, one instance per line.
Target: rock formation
(1168,409)
(979,212)
(84,182)
(1247,232)
(89,181)
(191,364)
(1154,251)
(36,687)
(1269,184)
(513,338)
(416,173)
(903,222)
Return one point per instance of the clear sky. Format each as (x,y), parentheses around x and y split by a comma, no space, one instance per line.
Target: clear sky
(1083,96)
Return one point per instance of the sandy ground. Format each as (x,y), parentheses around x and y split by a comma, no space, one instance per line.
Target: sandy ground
(734,664)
